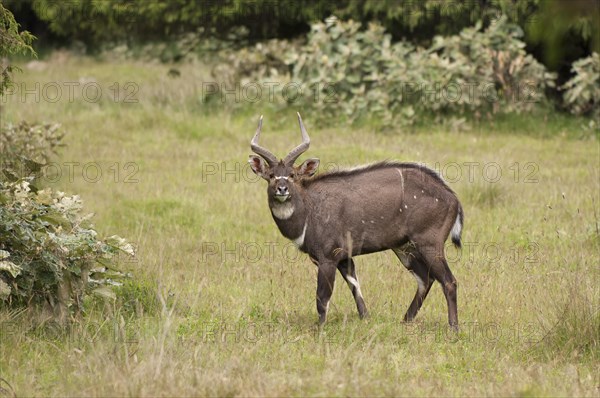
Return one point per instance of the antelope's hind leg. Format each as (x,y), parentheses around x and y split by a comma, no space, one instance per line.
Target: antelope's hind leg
(348,271)
(438,269)
(412,260)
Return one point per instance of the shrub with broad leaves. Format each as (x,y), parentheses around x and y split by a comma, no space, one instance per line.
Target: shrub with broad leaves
(346,70)
(582,91)
(492,62)
(50,254)
(477,70)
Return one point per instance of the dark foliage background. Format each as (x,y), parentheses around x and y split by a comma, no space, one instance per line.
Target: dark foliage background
(556,32)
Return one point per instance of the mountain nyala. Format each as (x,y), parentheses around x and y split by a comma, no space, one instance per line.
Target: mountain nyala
(337,215)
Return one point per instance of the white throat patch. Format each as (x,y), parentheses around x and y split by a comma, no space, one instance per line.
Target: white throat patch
(283,211)
(299,241)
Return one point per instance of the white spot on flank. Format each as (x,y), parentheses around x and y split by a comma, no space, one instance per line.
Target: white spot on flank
(283,211)
(422,191)
(299,241)
(415,196)
(363,221)
(372,222)
(405,206)
(436,199)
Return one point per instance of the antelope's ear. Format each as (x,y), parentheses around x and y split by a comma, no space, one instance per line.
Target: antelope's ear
(259,166)
(309,167)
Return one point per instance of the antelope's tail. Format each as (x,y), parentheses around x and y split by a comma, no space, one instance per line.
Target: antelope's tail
(457,227)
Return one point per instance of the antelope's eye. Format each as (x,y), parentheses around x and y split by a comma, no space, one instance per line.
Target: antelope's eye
(272,175)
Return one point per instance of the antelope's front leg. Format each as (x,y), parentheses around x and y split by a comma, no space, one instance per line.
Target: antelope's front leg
(348,270)
(325,282)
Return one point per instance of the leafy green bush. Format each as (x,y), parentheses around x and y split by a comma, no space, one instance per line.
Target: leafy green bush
(345,70)
(50,253)
(25,149)
(269,60)
(349,71)
(493,58)
(261,70)
(582,91)
(11,42)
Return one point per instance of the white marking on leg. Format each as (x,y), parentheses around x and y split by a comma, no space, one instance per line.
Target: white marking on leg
(420,283)
(283,211)
(353,282)
(299,241)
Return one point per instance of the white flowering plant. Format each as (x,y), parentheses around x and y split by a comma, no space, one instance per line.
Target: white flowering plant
(50,253)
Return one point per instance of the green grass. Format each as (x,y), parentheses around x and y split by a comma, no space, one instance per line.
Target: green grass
(220,304)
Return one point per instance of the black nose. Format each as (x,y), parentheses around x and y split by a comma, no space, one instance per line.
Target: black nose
(282,190)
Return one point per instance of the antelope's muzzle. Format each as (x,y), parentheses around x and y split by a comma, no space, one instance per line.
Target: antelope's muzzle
(282,193)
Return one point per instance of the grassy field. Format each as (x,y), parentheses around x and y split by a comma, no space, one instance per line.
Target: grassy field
(221,304)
